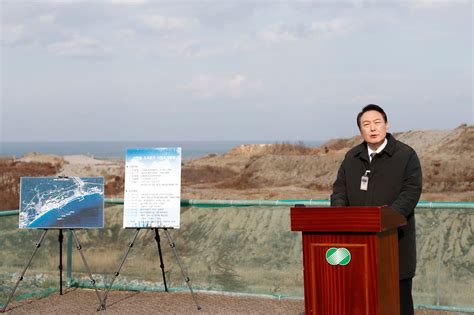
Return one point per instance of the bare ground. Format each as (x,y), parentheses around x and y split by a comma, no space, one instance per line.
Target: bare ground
(83,301)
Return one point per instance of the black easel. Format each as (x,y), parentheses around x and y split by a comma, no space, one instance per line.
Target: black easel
(38,245)
(162,266)
(60,240)
(103,305)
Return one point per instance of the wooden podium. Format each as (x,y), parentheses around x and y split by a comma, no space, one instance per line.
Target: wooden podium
(350,259)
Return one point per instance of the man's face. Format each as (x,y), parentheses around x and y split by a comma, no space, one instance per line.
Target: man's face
(373,128)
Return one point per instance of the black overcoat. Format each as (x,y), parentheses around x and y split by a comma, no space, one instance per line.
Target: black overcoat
(395,180)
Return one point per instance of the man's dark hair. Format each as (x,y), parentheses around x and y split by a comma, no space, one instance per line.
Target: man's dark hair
(371,107)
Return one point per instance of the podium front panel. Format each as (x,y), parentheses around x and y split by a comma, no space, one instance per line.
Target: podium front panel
(350,259)
(338,273)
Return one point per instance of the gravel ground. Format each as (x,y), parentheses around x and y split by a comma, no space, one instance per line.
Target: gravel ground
(82,301)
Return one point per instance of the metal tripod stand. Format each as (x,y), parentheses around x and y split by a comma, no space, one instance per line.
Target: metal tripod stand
(103,305)
(38,245)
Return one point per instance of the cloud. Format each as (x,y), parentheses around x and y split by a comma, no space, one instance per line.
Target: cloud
(164,23)
(325,29)
(12,34)
(127,2)
(80,47)
(125,34)
(30,32)
(197,48)
(433,4)
(364,99)
(112,2)
(333,27)
(428,4)
(47,19)
(278,33)
(209,86)
(205,49)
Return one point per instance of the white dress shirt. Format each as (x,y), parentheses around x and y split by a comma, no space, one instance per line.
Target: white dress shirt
(379,149)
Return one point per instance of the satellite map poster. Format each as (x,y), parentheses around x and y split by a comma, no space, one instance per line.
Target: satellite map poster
(61,202)
(152,188)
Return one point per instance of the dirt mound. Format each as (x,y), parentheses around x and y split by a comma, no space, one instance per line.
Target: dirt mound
(85,159)
(38,165)
(340,144)
(12,170)
(276,171)
(207,174)
(250,166)
(287,170)
(459,141)
(446,157)
(277,148)
(247,149)
(456,141)
(41,158)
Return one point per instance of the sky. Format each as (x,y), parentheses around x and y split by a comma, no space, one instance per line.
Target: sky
(122,70)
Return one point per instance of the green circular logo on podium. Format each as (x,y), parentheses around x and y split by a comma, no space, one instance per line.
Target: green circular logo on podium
(338,256)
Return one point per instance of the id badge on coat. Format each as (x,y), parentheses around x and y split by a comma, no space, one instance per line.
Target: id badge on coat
(364,181)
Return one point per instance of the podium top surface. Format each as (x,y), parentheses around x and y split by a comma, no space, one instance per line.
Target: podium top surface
(345,219)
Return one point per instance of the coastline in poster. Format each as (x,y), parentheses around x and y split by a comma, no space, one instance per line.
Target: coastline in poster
(61,202)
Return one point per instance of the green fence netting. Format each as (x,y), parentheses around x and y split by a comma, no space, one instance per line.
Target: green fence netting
(232,246)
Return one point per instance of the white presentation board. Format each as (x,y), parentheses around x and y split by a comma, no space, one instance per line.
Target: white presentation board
(152,188)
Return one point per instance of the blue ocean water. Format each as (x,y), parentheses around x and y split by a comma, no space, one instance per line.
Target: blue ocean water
(117,149)
(86,212)
(51,202)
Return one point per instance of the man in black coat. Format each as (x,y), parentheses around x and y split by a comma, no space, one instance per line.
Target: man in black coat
(383,171)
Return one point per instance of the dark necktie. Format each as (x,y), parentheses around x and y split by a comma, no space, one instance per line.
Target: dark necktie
(372,155)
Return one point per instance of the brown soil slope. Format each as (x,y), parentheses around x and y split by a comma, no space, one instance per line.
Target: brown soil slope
(268,171)
(289,171)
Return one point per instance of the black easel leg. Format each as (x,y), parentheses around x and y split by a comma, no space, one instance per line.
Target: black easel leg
(186,278)
(38,244)
(60,240)
(162,266)
(102,306)
(79,247)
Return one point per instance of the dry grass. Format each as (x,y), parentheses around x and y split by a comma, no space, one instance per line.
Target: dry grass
(10,173)
(340,144)
(286,148)
(114,185)
(206,174)
(244,179)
